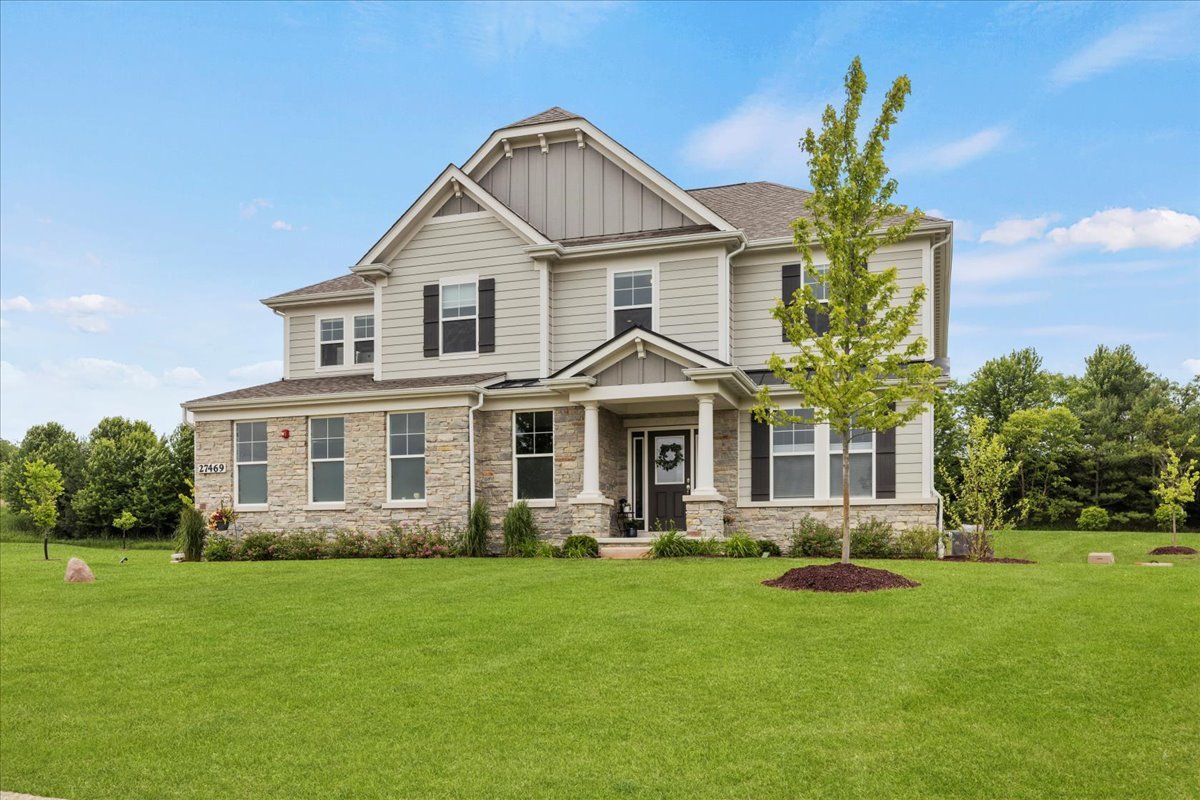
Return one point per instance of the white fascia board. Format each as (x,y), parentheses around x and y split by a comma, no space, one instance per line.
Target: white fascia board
(778,242)
(405,227)
(318,299)
(626,343)
(332,398)
(556,251)
(486,155)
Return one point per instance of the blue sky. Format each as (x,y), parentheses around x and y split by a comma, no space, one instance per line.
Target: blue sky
(162,167)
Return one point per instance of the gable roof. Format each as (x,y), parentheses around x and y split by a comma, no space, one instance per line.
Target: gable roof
(343,285)
(631,339)
(762,209)
(552,114)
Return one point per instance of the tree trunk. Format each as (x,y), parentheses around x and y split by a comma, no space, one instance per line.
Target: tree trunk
(46,547)
(1173,538)
(124,538)
(846,498)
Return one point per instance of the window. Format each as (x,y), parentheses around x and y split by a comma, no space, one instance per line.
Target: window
(459,318)
(633,300)
(406,455)
(862,463)
(533,451)
(327,450)
(364,339)
(250,462)
(333,342)
(793,457)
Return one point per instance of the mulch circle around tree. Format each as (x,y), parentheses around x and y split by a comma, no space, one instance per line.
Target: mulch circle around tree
(840,578)
(1173,550)
(991,560)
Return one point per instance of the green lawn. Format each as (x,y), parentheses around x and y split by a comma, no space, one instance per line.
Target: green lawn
(524,679)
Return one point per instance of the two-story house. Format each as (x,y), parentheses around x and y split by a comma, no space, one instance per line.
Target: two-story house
(558,322)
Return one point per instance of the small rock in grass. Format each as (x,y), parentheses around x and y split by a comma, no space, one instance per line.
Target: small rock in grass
(177,558)
(1101,558)
(1154,564)
(78,572)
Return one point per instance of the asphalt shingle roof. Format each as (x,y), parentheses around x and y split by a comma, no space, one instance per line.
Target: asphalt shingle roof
(342,283)
(552,114)
(338,384)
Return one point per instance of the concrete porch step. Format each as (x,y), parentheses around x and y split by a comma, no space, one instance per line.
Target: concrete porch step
(623,551)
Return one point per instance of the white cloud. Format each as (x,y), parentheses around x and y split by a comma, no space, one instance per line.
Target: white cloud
(760,137)
(183,376)
(11,375)
(18,303)
(99,372)
(280,225)
(498,31)
(88,323)
(261,371)
(1016,230)
(1156,37)
(1123,228)
(952,155)
(250,209)
(87,304)
(1192,365)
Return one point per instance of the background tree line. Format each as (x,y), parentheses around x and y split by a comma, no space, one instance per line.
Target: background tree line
(1096,439)
(122,466)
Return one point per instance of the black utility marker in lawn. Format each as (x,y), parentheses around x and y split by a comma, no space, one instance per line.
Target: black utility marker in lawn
(840,578)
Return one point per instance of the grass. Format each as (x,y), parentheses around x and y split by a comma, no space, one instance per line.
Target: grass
(564,678)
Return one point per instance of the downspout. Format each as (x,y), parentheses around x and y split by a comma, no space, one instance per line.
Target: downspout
(726,311)
(941,501)
(471,445)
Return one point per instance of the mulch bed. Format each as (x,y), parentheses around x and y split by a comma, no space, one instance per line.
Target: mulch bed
(1173,550)
(840,578)
(992,560)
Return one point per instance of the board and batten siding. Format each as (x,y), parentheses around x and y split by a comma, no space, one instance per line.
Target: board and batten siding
(757,284)
(569,192)
(688,297)
(448,247)
(908,459)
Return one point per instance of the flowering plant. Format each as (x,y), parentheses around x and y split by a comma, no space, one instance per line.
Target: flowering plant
(222,516)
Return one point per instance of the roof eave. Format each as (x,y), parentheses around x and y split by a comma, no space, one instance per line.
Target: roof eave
(323,298)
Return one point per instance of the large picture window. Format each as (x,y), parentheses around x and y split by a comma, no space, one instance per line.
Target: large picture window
(533,451)
(406,454)
(460,312)
(633,300)
(793,457)
(364,339)
(333,342)
(251,462)
(327,454)
(862,463)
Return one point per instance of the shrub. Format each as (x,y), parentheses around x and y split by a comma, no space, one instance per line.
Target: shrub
(768,547)
(258,547)
(918,542)
(537,548)
(422,543)
(704,547)
(519,528)
(191,532)
(872,539)
(812,538)
(1092,518)
(580,546)
(670,544)
(302,546)
(219,548)
(347,544)
(479,523)
(741,545)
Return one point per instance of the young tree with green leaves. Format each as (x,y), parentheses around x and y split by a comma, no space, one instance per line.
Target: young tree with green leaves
(1045,443)
(1005,385)
(1176,487)
(40,490)
(979,496)
(123,523)
(858,374)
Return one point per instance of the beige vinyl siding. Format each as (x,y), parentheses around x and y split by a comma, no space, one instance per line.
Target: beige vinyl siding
(757,285)
(688,298)
(579,300)
(480,246)
(302,345)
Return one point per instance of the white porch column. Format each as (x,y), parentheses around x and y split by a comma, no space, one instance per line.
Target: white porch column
(704,448)
(591,452)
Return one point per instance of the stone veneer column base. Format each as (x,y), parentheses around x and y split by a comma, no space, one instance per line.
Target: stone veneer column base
(705,515)
(591,517)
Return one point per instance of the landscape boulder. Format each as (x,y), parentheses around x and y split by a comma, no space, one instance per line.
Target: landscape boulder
(78,572)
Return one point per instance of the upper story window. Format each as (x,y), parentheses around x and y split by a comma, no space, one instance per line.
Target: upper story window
(327,456)
(633,300)
(333,342)
(862,463)
(795,276)
(250,462)
(533,450)
(364,339)
(460,322)
(794,457)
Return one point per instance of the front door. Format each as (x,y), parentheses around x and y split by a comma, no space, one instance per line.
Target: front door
(670,478)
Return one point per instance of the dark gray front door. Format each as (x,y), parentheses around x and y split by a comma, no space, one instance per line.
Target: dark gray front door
(670,460)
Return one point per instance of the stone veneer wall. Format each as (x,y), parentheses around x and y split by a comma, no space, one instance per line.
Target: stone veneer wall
(446,479)
(775,522)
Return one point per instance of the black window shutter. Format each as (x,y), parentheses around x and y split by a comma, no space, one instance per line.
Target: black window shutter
(793,279)
(487,315)
(431,320)
(760,460)
(885,463)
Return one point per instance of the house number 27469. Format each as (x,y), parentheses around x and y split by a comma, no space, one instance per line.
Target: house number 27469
(210,469)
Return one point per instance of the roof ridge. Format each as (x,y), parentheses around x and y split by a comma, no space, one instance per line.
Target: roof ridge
(551,114)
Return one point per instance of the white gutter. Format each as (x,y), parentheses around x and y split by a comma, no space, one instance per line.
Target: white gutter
(724,300)
(471,445)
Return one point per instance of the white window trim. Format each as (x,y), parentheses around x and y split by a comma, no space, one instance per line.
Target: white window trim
(346,314)
(610,287)
(387,445)
(330,505)
(822,479)
(237,506)
(816,469)
(330,367)
(355,339)
(832,452)
(457,280)
(537,502)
